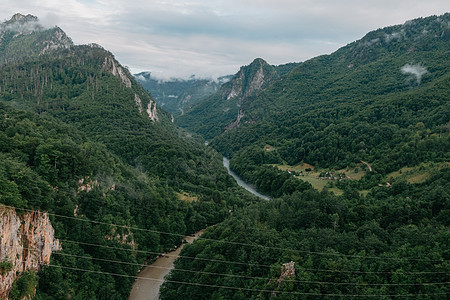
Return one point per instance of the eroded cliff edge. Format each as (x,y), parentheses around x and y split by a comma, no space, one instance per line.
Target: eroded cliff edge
(26,243)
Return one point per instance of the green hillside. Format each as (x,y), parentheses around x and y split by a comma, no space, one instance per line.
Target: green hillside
(72,117)
(225,109)
(382,100)
(369,127)
(391,244)
(353,148)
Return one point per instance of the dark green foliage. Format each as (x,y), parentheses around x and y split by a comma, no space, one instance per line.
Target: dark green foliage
(355,104)
(41,165)
(213,115)
(73,142)
(391,242)
(81,127)
(5,267)
(74,86)
(24,286)
(335,111)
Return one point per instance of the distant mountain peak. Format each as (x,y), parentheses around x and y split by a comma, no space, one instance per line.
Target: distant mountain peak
(40,39)
(250,79)
(21,24)
(18,17)
(259,61)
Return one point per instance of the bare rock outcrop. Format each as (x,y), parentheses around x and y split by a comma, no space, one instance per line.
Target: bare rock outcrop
(113,67)
(151,111)
(59,40)
(287,271)
(27,242)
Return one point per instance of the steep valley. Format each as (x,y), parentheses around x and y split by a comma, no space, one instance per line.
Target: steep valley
(97,180)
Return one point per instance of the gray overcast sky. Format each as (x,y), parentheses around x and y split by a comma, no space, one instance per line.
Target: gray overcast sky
(174,38)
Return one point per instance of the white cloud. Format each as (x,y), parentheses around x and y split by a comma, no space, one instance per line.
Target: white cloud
(416,70)
(215,37)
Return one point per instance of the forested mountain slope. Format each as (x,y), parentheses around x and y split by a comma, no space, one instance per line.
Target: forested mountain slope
(82,140)
(391,244)
(382,99)
(225,109)
(377,105)
(18,39)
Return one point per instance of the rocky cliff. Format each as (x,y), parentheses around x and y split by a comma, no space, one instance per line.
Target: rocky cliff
(228,106)
(249,81)
(114,67)
(27,242)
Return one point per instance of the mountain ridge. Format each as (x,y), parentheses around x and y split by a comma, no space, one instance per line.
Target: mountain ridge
(353,148)
(396,61)
(17,40)
(228,105)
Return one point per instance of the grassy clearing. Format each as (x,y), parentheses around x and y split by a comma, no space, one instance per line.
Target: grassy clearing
(417,174)
(298,168)
(353,173)
(311,177)
(184,196)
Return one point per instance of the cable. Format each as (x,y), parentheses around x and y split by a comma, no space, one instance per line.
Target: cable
(209,273)
(227,261)
(237,243)
(253,277)
(240,263)
(241,288)
(169,255)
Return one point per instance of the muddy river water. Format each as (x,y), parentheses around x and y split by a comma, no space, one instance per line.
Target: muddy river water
(150,279)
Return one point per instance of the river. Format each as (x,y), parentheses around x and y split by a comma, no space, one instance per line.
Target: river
(150,279)
(248,187)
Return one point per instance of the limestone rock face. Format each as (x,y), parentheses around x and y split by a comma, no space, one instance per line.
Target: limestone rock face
(152,112)
(27,242)
(58,40)
(249,81)
(113,67)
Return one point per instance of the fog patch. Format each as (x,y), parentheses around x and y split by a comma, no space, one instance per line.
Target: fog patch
(20,24)
(415,70)
(140,77)
(393,36)
(23,28)
(371,42)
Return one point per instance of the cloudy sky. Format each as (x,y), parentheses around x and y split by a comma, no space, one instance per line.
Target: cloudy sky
(209,38)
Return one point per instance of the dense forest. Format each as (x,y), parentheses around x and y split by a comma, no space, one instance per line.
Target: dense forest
(392,243)
(377,108)
(224,109)
(382,99)
(83,141)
